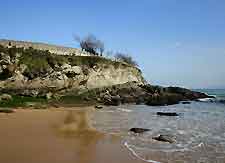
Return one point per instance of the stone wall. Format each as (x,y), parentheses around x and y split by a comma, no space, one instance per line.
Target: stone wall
(59,50)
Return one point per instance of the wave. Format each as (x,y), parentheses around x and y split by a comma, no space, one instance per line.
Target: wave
(136,155)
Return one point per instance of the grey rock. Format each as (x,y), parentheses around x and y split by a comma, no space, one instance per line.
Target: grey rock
(165,138)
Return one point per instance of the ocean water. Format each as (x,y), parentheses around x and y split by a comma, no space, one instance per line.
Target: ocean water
(219,93)
(199,130)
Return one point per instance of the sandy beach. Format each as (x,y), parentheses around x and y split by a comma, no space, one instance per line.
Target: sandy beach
(57,135)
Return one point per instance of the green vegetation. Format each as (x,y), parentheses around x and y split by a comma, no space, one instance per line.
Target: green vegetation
(21,101)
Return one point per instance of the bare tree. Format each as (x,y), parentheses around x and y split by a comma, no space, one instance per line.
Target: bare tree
(91,44)
(126,58)
(101,47)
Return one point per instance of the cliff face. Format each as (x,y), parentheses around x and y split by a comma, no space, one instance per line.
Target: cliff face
(27,69)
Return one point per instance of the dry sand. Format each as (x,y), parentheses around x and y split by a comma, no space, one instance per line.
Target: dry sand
(59,135)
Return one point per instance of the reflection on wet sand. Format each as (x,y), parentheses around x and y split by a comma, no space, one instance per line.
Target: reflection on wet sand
(57,135)
(77,125)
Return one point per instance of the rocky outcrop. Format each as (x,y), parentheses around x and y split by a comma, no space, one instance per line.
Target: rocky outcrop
(136,93)
(34,72)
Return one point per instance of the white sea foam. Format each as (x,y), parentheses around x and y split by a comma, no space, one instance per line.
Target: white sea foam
(205,99)
(136,155)
(124,110)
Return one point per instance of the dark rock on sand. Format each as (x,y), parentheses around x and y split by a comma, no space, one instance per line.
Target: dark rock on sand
(6,111)
(139,130)
(167,114)
(98,107)
(165,138)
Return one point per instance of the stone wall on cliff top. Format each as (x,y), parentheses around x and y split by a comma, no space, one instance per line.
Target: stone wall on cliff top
(60,50)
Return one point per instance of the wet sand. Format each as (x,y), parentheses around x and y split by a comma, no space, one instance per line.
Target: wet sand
(58,135)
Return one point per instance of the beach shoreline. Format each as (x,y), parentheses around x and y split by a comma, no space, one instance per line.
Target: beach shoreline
(51,135)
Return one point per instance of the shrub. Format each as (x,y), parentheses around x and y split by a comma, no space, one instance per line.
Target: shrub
(125,58)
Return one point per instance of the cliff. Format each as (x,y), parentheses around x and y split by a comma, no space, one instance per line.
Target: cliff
(31,71)
(31,68)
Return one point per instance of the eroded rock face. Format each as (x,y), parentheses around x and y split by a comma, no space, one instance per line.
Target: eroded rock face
(66,76)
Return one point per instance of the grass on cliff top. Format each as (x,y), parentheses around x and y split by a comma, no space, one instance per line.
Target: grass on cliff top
(22,101)
(34,58)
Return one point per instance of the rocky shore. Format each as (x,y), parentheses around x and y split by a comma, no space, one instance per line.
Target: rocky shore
(32,75)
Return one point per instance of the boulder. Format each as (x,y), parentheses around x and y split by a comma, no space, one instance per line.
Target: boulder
(165,138)
(114,100)
(71,71)
(5,59)
(98,107)
(167,114)
(139,130)
(5,97)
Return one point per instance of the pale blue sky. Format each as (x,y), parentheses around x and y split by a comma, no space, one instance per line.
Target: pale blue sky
(176,42)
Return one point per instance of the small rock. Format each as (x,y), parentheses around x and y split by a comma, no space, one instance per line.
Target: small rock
(139,130)
(98,107)
(167,114)
(165,138)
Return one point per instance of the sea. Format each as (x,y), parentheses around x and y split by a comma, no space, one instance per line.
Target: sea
(199,130)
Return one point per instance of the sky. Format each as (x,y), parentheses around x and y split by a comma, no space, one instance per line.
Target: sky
(175,42)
